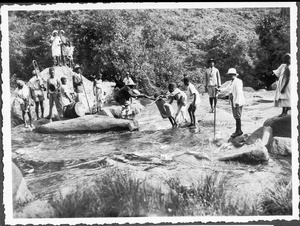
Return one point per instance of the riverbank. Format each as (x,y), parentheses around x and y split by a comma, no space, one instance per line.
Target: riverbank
(54,164)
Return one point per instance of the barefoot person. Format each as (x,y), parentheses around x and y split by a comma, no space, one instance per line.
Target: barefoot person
(181,98)
(98,92)
(283,90)
(53,94)
(237,99)
(193,99)
(212,81)
(37,89)
(165,109)
(22,95)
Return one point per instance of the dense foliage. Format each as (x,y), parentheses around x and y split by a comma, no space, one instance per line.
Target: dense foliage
(157,45)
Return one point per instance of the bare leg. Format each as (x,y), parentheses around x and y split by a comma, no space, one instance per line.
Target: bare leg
(37,110)
(42,108)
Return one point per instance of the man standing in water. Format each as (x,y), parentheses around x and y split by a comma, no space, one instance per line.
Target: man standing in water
(212,81)
(237,99)
(193,99)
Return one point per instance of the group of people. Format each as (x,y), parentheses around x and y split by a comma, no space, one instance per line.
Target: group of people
(58,93)
(62,49)
(187,100)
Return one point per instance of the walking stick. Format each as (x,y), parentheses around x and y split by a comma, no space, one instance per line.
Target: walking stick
(85,94)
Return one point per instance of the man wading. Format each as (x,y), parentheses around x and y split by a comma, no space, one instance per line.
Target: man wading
(212,81)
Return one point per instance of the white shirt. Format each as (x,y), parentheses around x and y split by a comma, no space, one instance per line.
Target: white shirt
(212,77)
(56,51)
(191,89)
(236,89)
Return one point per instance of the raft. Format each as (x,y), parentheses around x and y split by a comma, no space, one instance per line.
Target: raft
(88,123)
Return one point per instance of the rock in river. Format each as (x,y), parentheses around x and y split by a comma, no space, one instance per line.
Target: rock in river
(88,123)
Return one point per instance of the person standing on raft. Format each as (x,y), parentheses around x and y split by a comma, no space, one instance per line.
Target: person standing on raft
(98,91)
(237,99)
(53,94)
(37,89)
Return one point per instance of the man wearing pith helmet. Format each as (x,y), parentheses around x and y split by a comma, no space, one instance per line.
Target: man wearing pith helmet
(212,80)
(237,99)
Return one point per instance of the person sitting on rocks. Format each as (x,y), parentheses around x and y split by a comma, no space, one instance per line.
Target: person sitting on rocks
(165,109)
(283,90)
(181,98)
(237,99)
(37,89)
(53,94)
(98,92)
(22,95)
(124,97)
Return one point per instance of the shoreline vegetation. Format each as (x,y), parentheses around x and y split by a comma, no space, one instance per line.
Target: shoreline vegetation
(120,194)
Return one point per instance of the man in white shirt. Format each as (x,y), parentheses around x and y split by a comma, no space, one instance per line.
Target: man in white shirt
(212,80)
(193,99)
(237,99)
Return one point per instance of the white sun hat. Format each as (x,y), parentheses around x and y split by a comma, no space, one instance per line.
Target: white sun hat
(232,71)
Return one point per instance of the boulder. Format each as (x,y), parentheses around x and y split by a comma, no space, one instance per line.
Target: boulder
(21,194)
(252,154)
(263,134)
(281,146)
(88,123)
(35,209)
(64,71)
(281,126)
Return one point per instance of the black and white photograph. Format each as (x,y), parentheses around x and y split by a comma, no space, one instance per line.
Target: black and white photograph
(138,113)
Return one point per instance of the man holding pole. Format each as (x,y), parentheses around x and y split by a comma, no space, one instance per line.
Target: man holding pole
(237,99)
(212,81)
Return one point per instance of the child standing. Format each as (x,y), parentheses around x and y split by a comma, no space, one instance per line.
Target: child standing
(98,92)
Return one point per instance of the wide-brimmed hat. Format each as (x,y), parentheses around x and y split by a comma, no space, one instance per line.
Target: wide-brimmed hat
(55,31)
(77,66)
(232,71)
